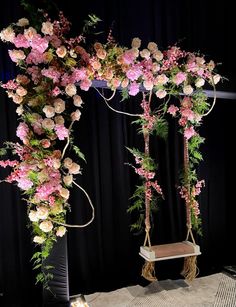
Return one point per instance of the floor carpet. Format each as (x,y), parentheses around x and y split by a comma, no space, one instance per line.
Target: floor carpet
(217,290)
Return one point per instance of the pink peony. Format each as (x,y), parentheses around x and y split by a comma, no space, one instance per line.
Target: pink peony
(189,132)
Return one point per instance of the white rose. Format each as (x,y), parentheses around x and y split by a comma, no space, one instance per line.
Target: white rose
(68,179)
(199,82)
(187,90)
(70,90)
(216,79)
(42,213)
(7,35)
(38,239)
(33,216)
(60,231)
(20,110)
(46,226)
(161,94)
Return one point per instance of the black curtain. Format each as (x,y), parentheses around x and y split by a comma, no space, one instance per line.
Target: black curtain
(104,256)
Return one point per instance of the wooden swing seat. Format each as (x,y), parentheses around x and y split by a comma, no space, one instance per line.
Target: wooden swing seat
(169,251)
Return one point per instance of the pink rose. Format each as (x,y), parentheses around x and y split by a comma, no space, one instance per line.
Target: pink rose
(161,94)
(61,230)
(61,51)
(70,90)
(77,100)
(136,42)
(47,28)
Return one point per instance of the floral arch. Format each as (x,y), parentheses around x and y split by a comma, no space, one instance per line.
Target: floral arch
(53,69)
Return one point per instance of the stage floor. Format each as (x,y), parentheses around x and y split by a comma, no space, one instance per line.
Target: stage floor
(217,290)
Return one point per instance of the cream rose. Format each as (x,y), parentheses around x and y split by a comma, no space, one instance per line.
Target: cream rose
(49,111)
(67,162)
(59,120)
(22,22)
(38,239)
(145,53)
(7,35)
(187,90)
(161,94)
(46,226)
(48,123)
(101,54)
(75,115)
(42,213)
(17,99)
(152,46)
(216,79)
(30,33)
(61,51)
(68,179)
(199,82)
(158,55)
(77,100)
(136,42)
(47,28)
(70,90)
(64,193)
(33,216)
(21,91)
(59,105)
(74,168)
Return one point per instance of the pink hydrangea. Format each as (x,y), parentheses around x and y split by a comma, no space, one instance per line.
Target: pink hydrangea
(133,88)
(22,131)
(61,131)
(20,41)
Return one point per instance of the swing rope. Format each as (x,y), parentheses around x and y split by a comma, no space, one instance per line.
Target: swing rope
(148,269)
(190,269)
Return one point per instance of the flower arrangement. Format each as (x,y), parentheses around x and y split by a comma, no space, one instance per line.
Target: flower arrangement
(53,69)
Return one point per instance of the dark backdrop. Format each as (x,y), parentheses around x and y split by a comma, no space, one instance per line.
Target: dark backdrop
(104,256)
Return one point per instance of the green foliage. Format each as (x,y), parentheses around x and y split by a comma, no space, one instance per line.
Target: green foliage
(78,152)
(193,146)
(199,99)
(3,151)
(160,128)
(90,23)
(124,94)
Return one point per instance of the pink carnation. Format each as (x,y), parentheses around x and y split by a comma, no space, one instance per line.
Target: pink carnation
(172,110)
